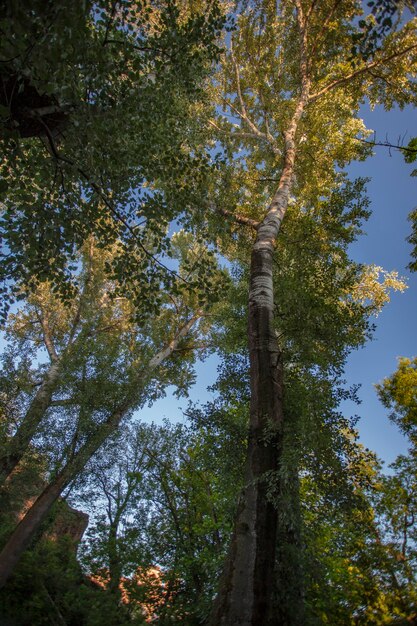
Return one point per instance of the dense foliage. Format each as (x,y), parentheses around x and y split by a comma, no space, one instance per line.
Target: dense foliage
(160,161)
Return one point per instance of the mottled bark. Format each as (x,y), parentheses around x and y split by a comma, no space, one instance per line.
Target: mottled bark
(246,592)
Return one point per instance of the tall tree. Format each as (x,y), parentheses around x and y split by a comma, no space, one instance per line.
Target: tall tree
(111,373)
(290,91)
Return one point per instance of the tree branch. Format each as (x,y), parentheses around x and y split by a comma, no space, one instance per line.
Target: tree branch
(47,338)
(358,72)
(239,219)
(387,144)
(243,114)
(318,37)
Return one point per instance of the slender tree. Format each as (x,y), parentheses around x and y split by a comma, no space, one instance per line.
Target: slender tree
(290,90)
(120,366)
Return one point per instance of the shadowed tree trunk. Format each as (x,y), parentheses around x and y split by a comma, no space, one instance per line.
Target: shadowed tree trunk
(30,524)
(115,568)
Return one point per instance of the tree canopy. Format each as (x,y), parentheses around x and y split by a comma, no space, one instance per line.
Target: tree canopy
(174,183)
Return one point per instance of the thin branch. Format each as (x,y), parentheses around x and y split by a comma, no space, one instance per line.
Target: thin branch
(121,42)
(49,110)
(105,329)
(51,601)
(172,345)
(47,337)
(358,72)
(77,316)
(196,346)
(243,114)
(256,134)
(240,219)
(387,144)
(310,10)
(268,135)
(383,78)
(323,29)
(110,22)
(300,15)
(232,133)
(64,402)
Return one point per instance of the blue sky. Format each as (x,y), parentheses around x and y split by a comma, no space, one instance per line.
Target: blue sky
(393,194)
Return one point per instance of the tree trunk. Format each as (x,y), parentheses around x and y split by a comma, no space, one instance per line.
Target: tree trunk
(18,445)
(246,596)
(115,569)
(28,527)
(30,524)
(289,592)
(247,587)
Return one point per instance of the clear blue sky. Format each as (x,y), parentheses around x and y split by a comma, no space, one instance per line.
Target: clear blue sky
(393,195)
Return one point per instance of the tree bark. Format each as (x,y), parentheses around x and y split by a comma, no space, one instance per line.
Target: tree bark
(247,587)
(31,522)
(115,569)
(246,595)
(28,527)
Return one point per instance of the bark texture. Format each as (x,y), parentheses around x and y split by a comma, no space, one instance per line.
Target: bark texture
(247,586)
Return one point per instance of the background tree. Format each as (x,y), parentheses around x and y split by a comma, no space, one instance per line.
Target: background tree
(112,374)
(171,489)
(125,81)
(398,393)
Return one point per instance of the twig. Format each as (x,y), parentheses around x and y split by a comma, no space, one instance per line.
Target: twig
(387,144)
